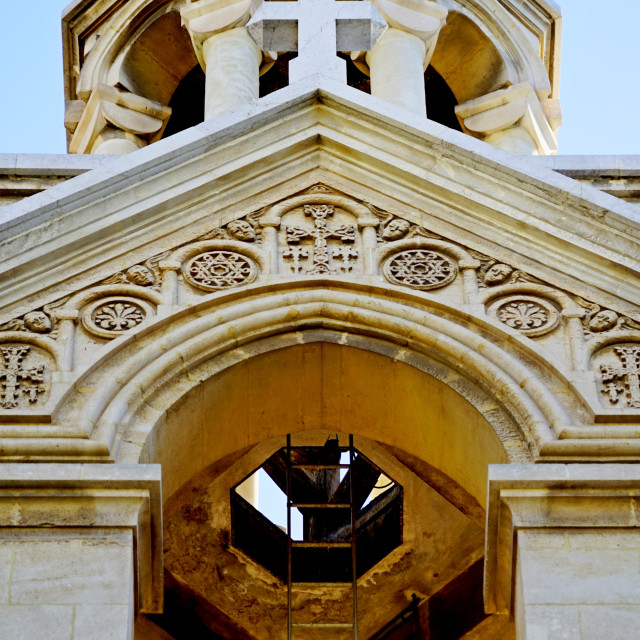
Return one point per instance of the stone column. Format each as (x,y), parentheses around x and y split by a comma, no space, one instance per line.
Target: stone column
(80,550)
(400,57)
(511,119)
(230,57)
(563,550)
(115,122)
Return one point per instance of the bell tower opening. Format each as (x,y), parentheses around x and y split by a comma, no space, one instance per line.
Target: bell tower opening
(309,499)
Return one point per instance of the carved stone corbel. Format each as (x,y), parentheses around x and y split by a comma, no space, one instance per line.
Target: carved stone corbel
(512,119)
(116,122)
(228,54)
(400,57)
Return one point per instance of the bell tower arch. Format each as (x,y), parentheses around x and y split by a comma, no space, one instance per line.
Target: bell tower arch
(124,63)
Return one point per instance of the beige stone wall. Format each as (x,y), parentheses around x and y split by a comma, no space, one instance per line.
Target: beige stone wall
(578,585)
(66,584)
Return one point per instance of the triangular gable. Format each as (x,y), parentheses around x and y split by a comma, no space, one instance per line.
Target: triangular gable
(90,227)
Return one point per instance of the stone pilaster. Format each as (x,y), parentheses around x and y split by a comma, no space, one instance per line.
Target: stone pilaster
(400,57)
(512,119)
(115,122)
(80,550)
(563,550)
(230,57)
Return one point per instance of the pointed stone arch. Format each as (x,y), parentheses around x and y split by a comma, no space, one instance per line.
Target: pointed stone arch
(124,400)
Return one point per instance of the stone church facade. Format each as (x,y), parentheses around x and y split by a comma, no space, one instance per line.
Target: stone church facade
(260,254)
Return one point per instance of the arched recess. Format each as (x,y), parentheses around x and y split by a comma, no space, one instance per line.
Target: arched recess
(482,48)
(467,60)
(319,385)
(158,59)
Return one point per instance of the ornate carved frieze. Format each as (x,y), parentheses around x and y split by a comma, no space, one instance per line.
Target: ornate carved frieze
(619,368)
(113,316)
(392,228)
(420,269)
(245,229)
(22,376)
(146,274)
(599,320)
(493,273)
(33,322)
(215,270)
(530,315)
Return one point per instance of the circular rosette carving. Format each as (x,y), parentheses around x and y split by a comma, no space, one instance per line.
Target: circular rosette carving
(113,316)
(530,315)
(420,269)
(215,270)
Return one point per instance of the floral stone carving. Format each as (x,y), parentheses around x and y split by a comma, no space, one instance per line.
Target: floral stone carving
(17,380)
(215,270)
(420,269)
(111,317)
(529,315)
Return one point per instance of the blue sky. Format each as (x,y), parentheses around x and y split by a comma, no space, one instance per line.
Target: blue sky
(600,77)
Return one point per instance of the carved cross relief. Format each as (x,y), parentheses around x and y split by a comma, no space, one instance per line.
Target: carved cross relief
(321,258)
(623,381)
(13,375)
(316,29)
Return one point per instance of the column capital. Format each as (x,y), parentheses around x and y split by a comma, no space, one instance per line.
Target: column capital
(546,497)
(206,18)
(517,106)
(111,108)
(67,497)
(421,18)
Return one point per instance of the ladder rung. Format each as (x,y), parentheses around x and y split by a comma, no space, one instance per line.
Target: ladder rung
(323,585)
(320,466)
(324,625)
(319,505)
(321,545)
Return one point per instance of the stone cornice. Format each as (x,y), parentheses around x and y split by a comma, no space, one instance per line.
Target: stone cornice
(550,496)
(92,496)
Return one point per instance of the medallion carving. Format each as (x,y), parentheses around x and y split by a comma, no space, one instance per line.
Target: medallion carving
(619,369)
(21,383)
(113,316)
(530,315)
(324,249)
(216,270)
(420,269)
